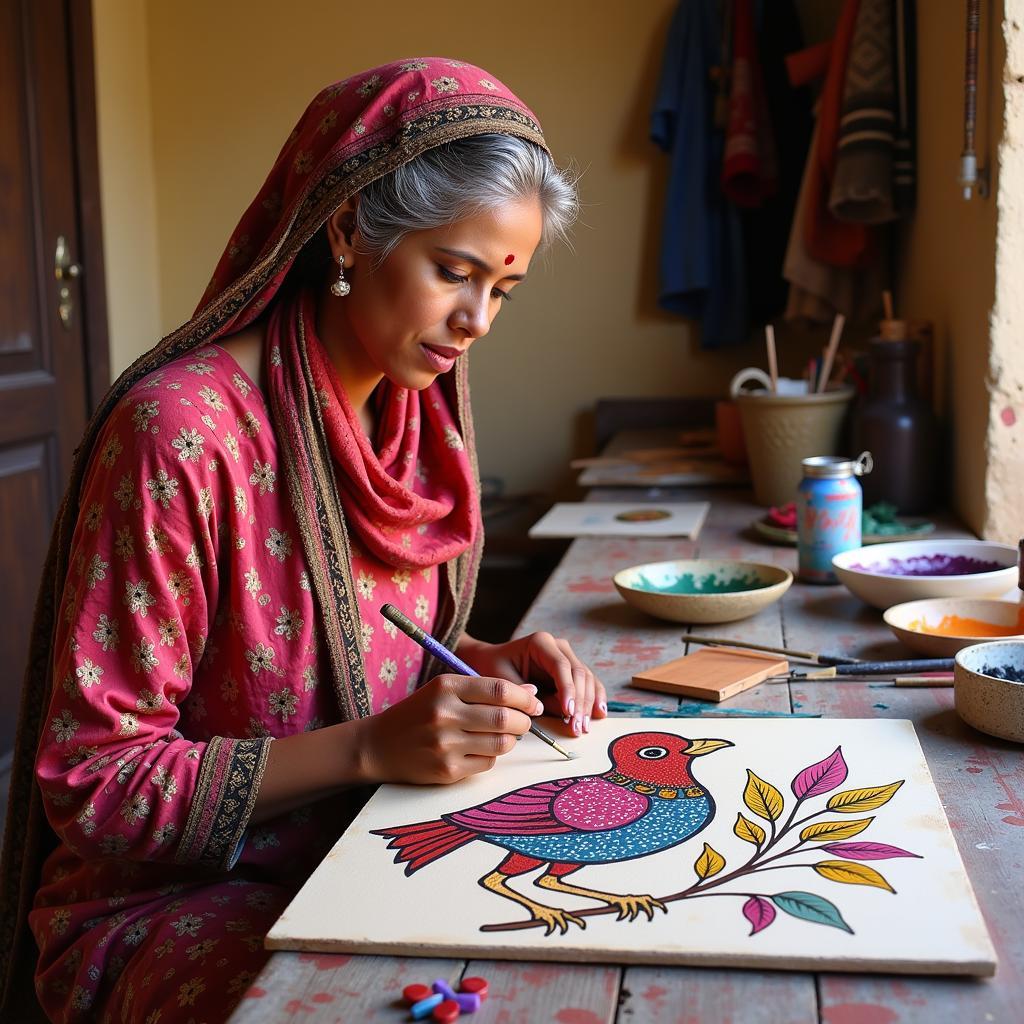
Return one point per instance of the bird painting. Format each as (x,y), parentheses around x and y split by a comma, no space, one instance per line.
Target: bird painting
(646,802)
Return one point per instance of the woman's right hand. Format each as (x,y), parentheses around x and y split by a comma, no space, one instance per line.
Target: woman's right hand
(450,728)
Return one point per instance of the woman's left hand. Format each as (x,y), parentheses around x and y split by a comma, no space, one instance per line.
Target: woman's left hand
(566,686)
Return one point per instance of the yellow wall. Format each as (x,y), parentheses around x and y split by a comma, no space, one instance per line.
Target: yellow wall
(229,79)
(948,266)
(127,181)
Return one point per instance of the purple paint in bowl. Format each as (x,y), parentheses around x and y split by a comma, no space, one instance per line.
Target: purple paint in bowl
(929,565)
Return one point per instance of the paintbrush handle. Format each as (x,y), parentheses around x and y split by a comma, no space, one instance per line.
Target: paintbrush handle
(452,662)
(818,659)
(913,665)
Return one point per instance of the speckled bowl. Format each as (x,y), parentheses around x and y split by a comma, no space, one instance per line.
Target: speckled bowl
(702,590)
(901,619)
(864,571)
(995,706)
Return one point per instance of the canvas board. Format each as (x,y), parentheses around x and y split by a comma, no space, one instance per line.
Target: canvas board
(796,844)
(622,519)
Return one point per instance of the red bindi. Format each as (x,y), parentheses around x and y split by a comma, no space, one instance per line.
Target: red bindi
(509,259)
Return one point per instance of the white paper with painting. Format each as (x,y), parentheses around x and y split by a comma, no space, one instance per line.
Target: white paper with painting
(810,845)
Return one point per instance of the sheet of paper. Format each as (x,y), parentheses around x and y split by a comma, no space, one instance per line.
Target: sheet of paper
(800,844)
(622,519)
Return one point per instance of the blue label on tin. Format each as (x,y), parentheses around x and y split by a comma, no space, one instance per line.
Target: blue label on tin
(828,523)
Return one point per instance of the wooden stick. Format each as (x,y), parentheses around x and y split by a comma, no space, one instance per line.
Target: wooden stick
(830,352)
(887,304)
(932,679)
(773,366)
(818,659)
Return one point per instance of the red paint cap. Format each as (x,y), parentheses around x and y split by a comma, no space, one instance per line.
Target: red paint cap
(478,986)
(414,993)
(446,1011)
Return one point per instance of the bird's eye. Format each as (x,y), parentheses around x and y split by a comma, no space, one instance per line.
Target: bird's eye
(652,753)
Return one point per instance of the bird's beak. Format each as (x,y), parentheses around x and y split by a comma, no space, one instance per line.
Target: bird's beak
(698,747)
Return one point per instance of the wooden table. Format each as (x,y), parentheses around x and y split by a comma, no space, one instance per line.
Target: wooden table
(979,779)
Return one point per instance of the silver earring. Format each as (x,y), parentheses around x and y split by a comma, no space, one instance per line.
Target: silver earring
(341,287)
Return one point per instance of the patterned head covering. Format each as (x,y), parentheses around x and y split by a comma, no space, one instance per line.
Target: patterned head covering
(352,133)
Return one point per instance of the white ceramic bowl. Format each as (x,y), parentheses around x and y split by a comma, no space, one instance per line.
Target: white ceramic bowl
(702,589)
(868,571)
(911,621)
(993,705)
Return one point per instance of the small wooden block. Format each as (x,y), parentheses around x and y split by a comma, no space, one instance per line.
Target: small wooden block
(712,673)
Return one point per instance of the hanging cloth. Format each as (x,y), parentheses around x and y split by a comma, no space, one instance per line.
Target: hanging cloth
(750,163)
(701,267)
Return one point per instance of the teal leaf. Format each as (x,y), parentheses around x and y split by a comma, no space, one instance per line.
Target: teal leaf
(808,907)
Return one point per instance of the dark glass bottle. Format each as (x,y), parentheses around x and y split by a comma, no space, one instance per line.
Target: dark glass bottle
(899,429)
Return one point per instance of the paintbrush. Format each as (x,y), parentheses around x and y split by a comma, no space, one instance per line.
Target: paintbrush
(922,679)
(455,663)
(830,352)
(773,365)
(813,656)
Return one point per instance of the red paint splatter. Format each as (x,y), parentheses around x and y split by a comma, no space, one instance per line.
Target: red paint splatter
(293,1006)
(975,771)
(324,961)
(575,1015)
(637,649)
(1008,416)
(323,997)
(509,259)
(1010,819)
(654,993)
(859,1013)
(588,585)
(255,993)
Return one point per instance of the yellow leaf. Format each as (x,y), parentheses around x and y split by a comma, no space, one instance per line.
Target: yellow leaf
(848,872)
(826,831)
(709,863)
(748,831)
(854,801)
(762,798)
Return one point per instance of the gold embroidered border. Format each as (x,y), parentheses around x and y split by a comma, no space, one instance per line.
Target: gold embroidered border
(225,794)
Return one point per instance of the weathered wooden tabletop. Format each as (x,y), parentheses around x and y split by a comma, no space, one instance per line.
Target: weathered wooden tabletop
(979,779)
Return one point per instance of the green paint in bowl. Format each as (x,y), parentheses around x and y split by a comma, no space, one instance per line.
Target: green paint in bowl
(688,583)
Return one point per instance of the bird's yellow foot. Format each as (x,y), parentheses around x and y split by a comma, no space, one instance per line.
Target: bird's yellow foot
(629,906)
(553,917)
(550,917)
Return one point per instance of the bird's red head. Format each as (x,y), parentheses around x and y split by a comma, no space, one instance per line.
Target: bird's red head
(660,758)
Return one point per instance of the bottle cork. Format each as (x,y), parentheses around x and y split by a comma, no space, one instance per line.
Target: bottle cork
(893,330)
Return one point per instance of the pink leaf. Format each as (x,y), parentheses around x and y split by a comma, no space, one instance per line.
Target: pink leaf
(822,777)
(760,913)
(867,851)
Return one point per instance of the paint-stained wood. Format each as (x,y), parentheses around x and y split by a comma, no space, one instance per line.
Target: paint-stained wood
(527,993)
(689,995)
(980,781)
(323,989)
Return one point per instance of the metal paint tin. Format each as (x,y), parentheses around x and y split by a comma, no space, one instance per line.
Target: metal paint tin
(829,506)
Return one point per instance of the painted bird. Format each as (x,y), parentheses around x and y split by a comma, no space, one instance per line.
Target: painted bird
(648,801)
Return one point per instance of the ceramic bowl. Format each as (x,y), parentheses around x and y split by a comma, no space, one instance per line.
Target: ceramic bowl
(993,705)
(873,573)
(702,590)
(911,622)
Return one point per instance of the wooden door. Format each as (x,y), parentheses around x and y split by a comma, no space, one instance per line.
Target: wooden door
(53,348)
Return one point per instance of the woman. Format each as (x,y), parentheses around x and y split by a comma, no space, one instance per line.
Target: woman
(249,494)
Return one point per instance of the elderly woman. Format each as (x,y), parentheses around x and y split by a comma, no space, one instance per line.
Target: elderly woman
(211,678)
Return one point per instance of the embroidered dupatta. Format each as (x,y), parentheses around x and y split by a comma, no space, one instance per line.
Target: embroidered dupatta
(353,132)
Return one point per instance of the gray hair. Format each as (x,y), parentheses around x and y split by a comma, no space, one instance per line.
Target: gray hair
(461,179)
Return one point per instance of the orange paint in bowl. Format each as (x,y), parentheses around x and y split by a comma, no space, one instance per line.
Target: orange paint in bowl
(956,625)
